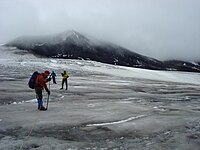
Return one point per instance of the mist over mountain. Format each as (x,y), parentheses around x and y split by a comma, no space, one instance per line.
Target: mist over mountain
(73,45)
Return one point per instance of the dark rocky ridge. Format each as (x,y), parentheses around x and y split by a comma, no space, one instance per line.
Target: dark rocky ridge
(182,66)
(73,45)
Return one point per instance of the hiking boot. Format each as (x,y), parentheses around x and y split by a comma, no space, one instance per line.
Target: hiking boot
(43,108)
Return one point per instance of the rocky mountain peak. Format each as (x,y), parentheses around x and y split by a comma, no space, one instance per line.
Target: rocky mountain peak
(71,36)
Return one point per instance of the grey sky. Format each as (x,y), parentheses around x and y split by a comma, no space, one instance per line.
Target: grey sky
(163,29)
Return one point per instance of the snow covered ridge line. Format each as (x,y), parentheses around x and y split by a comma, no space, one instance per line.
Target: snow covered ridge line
(2,44)
(116,122)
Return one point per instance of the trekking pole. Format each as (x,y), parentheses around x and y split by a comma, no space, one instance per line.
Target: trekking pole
(48,97)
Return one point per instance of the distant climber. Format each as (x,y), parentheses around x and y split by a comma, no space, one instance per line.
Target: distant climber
(40,85)
(53,75)
(64,79)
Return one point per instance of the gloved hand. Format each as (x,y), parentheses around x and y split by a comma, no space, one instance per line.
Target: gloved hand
(49,79)
(48,92)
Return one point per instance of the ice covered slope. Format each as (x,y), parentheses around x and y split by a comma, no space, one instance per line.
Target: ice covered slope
(171,76)
(13,56)
(105,107)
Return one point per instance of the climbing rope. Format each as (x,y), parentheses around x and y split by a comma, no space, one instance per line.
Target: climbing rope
(31,130)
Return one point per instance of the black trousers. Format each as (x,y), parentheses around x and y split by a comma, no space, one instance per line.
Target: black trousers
(39,95)
(66,83)
(54,80)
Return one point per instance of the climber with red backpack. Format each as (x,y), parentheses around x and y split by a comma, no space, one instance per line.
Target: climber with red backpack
(38,82)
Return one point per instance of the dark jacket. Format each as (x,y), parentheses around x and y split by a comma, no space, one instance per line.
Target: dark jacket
(53,74)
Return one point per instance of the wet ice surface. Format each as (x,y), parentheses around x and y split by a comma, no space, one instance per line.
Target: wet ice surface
(106,107)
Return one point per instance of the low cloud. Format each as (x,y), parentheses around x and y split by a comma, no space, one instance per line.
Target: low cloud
(156,28)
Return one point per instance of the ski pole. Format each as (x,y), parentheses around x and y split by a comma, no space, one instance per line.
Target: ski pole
(48,97)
